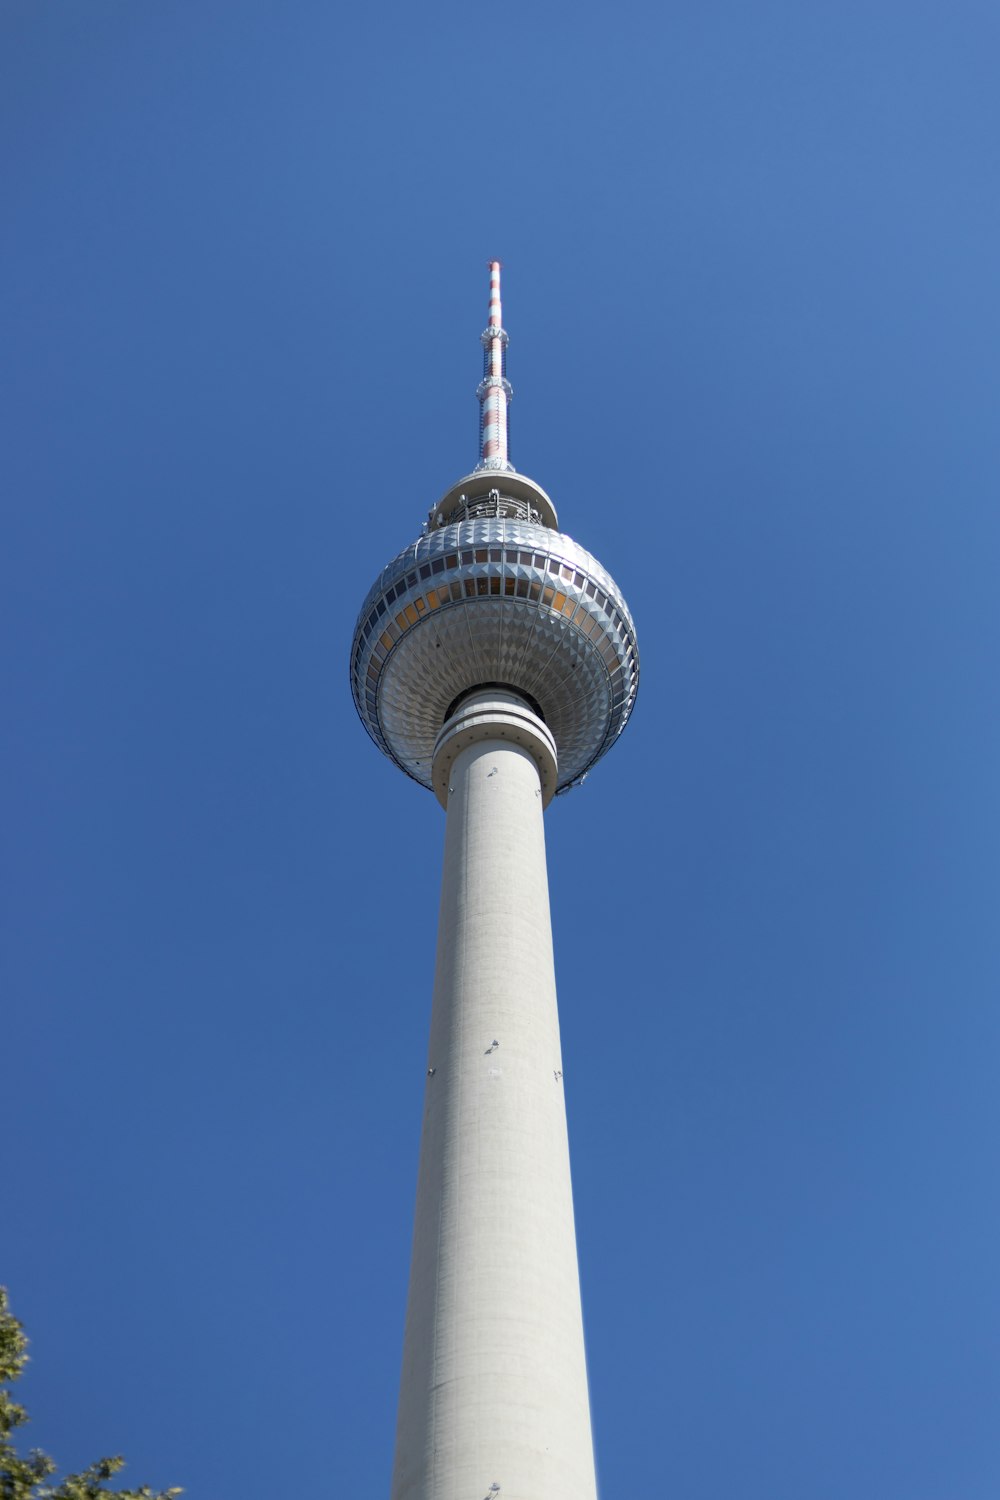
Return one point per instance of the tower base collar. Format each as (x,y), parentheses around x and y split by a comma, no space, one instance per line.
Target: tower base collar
(495,714)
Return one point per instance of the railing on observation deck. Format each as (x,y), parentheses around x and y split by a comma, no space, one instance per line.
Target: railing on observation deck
(494,505)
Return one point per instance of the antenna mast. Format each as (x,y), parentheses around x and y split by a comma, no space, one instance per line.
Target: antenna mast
(494,391)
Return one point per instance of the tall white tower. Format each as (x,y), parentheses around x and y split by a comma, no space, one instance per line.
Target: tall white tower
(494,661)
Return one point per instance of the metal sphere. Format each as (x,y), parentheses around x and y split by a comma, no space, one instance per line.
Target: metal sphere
(494,601)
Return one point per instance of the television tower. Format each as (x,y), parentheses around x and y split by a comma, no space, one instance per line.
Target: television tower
(495,661)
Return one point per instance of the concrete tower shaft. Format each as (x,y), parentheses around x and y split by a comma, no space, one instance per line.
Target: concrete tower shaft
(494,1383)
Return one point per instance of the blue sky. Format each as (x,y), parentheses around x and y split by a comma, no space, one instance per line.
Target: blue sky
(751,283)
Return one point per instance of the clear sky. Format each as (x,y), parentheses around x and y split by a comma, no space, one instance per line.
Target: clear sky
(752,259)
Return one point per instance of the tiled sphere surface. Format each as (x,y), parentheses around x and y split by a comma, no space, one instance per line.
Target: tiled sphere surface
(494,601)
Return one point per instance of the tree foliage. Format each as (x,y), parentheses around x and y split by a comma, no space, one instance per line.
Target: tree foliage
(29,1478)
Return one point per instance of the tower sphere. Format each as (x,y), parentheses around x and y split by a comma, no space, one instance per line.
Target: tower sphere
(492,595)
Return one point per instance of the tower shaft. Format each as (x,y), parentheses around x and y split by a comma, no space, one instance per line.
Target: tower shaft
(494,1383)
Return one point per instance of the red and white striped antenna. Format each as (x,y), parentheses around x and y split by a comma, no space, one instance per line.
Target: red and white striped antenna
(494,391)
